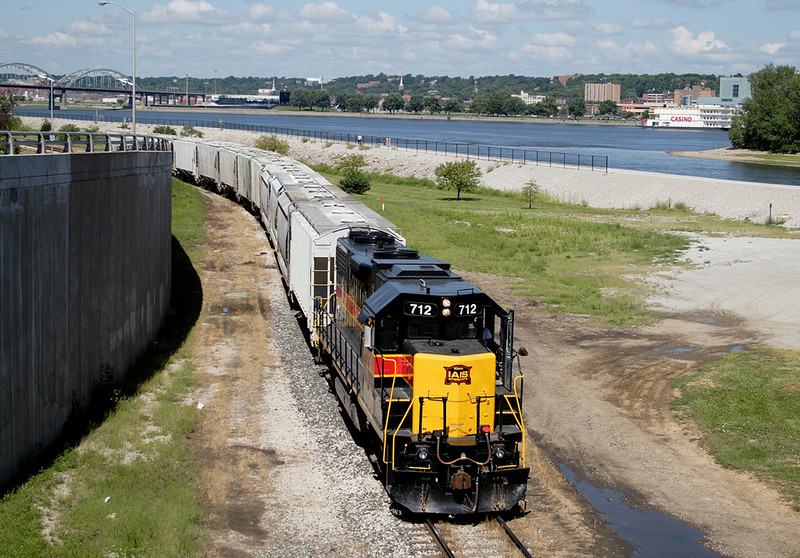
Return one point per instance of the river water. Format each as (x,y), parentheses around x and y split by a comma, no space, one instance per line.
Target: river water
(627,147)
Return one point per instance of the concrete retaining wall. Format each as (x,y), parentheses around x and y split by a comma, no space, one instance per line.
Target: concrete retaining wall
(85,277)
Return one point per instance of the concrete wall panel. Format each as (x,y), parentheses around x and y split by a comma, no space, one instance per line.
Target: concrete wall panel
(85,277)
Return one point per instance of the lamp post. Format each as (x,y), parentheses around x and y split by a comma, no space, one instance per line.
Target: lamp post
(133,85)
(52,100)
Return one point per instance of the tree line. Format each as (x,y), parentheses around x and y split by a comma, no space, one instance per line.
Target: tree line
(770,119)
(463,88)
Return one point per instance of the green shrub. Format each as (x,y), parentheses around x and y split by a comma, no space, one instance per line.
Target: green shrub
(69,128)
(167,130)
(354,181)
(46,126)
(272,143)
(191,131)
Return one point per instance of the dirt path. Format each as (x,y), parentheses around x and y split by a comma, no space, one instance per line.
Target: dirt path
(283,477)
(598,400)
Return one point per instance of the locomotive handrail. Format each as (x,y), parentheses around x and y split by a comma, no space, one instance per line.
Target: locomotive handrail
(518,417)
(396,430)
(24,143)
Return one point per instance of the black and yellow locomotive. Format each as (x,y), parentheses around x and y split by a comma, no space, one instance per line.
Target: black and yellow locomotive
(422,362)
(421,359)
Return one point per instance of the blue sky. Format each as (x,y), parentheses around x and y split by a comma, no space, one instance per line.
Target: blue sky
(207,38)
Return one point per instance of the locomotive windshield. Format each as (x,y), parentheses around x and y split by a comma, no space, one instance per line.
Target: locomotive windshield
(417,328)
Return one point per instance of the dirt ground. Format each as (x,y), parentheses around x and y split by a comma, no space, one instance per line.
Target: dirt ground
(597,400)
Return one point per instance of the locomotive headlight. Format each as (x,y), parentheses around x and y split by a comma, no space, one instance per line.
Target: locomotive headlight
(422,454)
(446,303)
(445,312)
(499,452)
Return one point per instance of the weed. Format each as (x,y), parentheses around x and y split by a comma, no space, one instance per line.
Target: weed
(272,143)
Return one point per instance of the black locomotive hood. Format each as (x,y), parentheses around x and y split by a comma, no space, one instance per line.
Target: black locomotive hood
(402,290)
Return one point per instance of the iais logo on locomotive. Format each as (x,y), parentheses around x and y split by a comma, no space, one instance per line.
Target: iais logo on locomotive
(458,374)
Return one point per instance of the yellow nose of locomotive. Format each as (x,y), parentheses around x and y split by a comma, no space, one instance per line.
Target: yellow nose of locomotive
(453,393)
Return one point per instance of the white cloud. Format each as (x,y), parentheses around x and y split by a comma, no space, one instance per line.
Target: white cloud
(549,53)
(553,39)
(683,42)
(474,39)
(436,14)
(650,23)
(529,9)
(608,29)
(379,24)
(494,12)
(4,34)
(771,48)
(329,12)
(795,35)
(55,39)
(258,12)
(264,47)
(89,28)
(187,11)
(246,28)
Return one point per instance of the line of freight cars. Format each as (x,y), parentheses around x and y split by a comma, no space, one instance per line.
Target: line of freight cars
(422,360)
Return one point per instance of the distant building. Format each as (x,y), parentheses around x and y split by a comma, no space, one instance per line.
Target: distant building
(734,91)
(709,117)
(653,97)
(695,91)
(564,79)
(599,92)
(529,99)
(706,112)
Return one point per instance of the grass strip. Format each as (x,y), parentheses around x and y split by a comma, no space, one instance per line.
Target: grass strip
(746,406)
(571,258)
(123,483)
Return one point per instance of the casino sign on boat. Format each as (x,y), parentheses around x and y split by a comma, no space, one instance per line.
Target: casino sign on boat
(709,113)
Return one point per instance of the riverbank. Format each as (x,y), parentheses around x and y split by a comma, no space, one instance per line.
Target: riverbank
(744,156)
(612,188)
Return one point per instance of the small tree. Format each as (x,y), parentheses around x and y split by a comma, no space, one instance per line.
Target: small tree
(166,130)
(354,103)
(393,101)
(453,105)
(272,143)
(576,107)
(354,180)
(530,192)
(302,97)
(322,99)
(371,102)
(608,107)
(7,121)
(415,104)
(191,131)
(433,104)
(459,175)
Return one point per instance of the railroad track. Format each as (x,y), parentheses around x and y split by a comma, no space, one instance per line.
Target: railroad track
(448,552)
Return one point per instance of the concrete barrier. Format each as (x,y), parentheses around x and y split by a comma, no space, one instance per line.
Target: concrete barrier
(85,278)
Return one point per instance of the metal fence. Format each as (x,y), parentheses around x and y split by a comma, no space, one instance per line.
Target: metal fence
(24,143)
(465,150)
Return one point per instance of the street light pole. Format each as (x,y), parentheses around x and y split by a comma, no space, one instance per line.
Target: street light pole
(133,85)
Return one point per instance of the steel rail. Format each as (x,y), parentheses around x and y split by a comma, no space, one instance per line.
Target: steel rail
(439,539)
(513,537)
